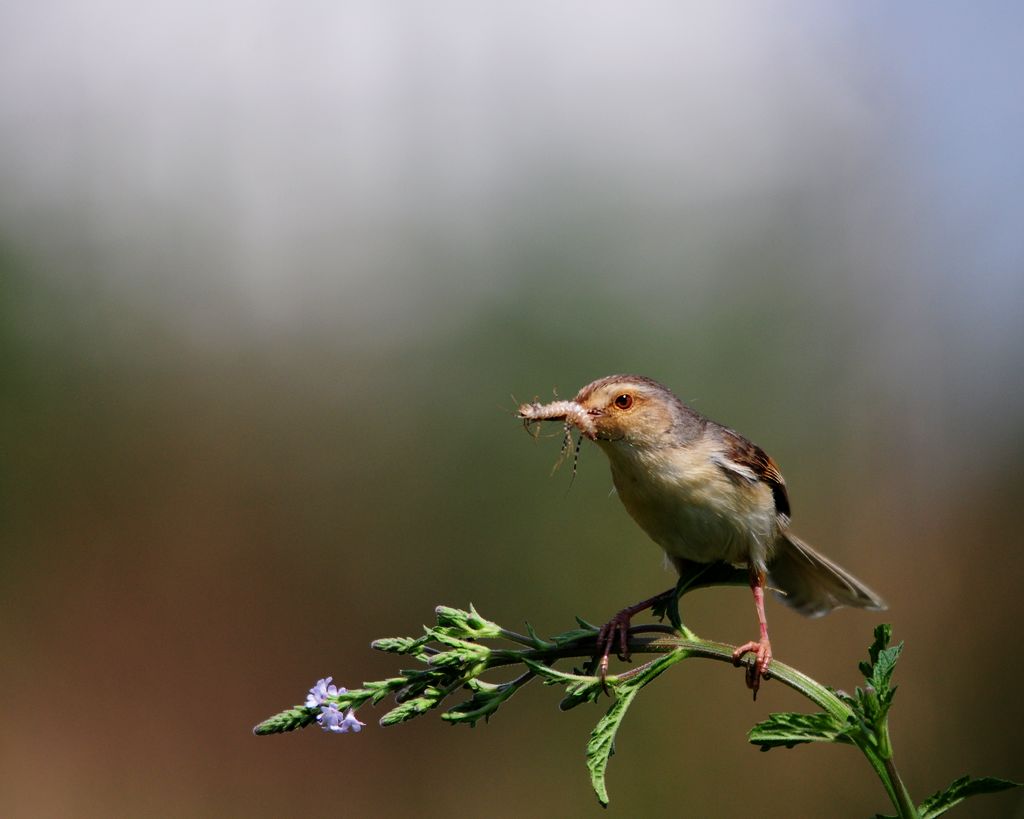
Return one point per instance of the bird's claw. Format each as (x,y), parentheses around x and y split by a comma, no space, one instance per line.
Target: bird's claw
(614,631)
(757,669)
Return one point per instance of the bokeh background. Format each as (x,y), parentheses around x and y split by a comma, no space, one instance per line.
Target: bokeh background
(271,273)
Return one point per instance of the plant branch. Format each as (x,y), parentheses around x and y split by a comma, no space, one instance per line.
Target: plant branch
(463,647)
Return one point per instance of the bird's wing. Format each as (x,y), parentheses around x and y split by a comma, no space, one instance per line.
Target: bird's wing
(748,460)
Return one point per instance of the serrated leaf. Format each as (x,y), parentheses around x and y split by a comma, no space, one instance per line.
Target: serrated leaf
(881,658)
(873,702)
(884,665)
(883,636)
(573,636)
(553,675)
(789,729)
(538,641)
(579,688)
(579,693)
(484,702)
(964,787)
(601,745)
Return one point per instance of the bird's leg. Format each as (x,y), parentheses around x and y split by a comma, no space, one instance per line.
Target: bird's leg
(617,630)
(763,648)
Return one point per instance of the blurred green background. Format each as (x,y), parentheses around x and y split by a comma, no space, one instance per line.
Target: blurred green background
(272,272)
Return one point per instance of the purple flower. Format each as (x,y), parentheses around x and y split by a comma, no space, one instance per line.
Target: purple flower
(319,693)
(351,723)
(332,718)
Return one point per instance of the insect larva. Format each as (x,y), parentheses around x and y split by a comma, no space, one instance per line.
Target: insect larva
(569,411)
(572,414)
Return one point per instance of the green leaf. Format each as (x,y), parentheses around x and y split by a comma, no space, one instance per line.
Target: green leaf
(938,803)
(553,676)
(601,745)
(789,729)
(538,641)
(486,699)
(883,636)
(881,674)
(882,662)
(297,717)
(579,693)
(579,688)
(602,742)
(573,636)
(872,703)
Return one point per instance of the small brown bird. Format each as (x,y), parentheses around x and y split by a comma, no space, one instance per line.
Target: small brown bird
(704,493)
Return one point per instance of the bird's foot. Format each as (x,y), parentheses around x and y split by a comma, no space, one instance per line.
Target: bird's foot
(614,631)
(758,669)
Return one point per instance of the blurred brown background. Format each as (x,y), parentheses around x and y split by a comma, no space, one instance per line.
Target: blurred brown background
(271,272)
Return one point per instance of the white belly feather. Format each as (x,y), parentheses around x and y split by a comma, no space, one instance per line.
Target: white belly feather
(689,506)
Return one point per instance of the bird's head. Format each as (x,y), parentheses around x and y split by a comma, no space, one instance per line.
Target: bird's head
(632,410)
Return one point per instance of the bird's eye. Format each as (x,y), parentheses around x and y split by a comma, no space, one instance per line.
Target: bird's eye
(624,401)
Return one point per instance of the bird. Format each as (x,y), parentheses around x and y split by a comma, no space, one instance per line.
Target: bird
(704,494)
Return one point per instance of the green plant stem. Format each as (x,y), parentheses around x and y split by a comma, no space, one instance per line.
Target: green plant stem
(889,777)
(661,639)
(516,637)
(903,802)
(464,651)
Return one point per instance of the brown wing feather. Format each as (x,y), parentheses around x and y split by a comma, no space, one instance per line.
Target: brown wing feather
(748,454)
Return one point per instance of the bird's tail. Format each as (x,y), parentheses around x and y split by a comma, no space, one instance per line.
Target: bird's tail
(814,585)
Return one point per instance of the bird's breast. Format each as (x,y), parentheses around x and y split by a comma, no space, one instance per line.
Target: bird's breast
(688,505)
